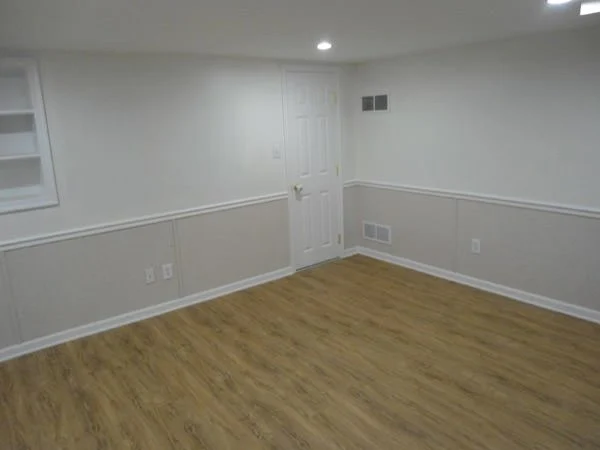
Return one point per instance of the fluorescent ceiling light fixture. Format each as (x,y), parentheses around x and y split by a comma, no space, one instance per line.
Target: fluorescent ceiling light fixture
(559,2)
(588,8)
(324,45)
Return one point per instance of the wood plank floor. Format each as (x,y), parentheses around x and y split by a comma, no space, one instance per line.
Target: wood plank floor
(356,354)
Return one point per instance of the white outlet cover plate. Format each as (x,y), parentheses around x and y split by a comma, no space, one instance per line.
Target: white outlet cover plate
(167,271)
(150,277)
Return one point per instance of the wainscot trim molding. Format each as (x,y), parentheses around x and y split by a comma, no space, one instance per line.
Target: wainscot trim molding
(137,222)
(571,210)
(137,316)
(348,252)
(505,291)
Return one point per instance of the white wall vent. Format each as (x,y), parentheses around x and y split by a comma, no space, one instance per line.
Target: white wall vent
(370,231)
(377,233)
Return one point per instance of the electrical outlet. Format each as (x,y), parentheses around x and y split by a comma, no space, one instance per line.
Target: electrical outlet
(167,271)
(476,246)
(150,277)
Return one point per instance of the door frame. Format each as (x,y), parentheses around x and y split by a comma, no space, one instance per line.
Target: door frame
(339,187)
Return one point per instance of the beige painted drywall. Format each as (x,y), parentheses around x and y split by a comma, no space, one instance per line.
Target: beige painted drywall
(221,248)
(8,327)
(516,118)
(423,227)
(351,222)
(135,135)
(62,285)
(550,254)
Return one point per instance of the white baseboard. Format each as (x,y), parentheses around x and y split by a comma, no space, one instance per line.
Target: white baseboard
(136,316)
(153,311)
(515,294)
(350,252)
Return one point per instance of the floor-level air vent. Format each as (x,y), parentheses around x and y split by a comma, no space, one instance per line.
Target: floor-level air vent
(377,233)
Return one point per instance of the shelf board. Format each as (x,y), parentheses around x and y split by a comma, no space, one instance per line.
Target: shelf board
(17,112)
(20,192)
(17,157)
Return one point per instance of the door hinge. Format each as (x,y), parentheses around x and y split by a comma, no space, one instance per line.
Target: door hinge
(339,239)
(334,97)
(337,170)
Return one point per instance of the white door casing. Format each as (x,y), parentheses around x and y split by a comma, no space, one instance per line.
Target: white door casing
(312,136)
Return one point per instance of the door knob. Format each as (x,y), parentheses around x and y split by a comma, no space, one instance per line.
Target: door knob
(298,188)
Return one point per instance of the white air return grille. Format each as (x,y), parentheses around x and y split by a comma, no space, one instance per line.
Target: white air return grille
(384,234)
(377,233)
(370,231)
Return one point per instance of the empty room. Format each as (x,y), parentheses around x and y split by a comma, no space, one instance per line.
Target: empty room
(317,224)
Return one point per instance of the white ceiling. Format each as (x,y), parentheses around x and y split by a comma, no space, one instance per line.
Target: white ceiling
(360,29)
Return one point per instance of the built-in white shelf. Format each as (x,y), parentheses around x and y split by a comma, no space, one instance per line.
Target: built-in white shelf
(16,112)
(18,144)
(19,194)
(17,157)
(26,173)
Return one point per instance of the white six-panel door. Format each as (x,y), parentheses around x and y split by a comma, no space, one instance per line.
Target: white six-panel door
(312,157)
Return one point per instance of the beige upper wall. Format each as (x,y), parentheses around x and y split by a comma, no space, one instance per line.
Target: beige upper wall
(517,118)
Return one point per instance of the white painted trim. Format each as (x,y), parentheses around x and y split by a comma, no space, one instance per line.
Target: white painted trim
(377,226)
(339,185)
(571,210)
(45,194)
(137,222)
(348,252)
(137,316)
(505,291)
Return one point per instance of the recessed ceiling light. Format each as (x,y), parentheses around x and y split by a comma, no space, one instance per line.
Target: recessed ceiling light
(324,45)
(588,8)
(558,2)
